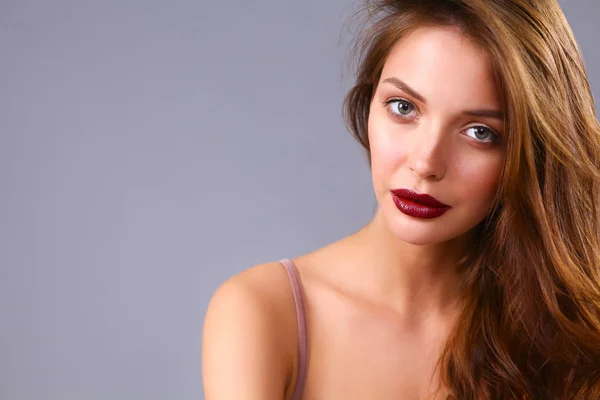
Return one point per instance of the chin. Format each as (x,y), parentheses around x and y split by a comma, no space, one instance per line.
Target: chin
(421,237)
(424,232)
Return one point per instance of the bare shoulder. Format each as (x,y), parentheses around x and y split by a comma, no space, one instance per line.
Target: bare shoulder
(248,336)
(263,286)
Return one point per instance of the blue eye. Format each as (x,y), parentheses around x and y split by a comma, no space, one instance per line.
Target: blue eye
(481,133)
(400,107)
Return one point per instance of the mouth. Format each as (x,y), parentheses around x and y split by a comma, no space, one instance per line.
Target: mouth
(423,199)
(418,205)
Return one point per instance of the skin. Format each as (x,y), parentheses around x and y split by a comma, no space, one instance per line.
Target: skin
(380,302)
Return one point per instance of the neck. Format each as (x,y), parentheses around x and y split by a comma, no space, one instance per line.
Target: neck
(416,280)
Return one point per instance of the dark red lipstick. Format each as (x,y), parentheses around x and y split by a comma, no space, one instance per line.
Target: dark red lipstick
(418,205)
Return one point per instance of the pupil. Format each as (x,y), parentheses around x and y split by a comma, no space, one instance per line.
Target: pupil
(404,107)
(481,133)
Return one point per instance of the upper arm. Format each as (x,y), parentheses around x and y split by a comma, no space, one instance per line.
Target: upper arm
(242,358)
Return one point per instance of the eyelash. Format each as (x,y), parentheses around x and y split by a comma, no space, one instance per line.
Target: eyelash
(496,137)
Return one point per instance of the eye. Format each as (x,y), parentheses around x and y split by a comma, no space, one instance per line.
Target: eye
(481,134)
(400,107)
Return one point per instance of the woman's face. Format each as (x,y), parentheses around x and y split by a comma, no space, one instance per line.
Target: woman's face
(435,128)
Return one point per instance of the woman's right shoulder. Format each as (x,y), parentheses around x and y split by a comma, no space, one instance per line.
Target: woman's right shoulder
(248,335)
(264,285)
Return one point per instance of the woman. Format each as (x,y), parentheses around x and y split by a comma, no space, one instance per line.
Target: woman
(478,277)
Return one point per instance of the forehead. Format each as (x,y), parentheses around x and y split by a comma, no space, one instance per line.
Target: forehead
(444,66)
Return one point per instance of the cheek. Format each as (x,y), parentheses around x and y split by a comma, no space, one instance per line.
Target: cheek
(479,178)
(386,152)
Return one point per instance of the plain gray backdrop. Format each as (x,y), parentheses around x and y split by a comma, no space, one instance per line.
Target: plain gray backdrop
(150,150)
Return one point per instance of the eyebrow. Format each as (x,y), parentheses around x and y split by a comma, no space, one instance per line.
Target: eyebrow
(495,114)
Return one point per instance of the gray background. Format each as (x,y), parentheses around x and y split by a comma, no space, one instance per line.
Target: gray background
(150,150)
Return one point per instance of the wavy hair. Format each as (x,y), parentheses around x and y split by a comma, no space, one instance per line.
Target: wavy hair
(530,324)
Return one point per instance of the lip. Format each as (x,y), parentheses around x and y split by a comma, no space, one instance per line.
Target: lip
(423,199)
(418,205)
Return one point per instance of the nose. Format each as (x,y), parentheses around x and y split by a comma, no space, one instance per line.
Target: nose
(426,158)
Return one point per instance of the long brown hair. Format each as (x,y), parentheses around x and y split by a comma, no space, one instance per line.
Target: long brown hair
(530,326)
